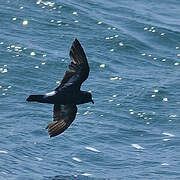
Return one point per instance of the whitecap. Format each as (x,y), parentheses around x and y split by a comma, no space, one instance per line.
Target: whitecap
(176,64)
(115,95)
(165,99)
(4,71)
(168,134)
(92,149)
(137,146)
(39,159)
(3,152)
(164,164)
(156,90)
(102,66)
(75,13)
(25,23)
(77,159)
(86,174)
(32,53)
(173,115)
(114,78)
(145,28)
(110,100)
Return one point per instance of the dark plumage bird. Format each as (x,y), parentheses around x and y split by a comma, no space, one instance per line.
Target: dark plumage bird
(68,94)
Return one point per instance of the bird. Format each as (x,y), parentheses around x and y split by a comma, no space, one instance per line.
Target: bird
(68,94)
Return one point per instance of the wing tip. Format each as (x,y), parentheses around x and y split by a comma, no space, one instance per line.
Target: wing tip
(76,42)
(76,39)
(77,53)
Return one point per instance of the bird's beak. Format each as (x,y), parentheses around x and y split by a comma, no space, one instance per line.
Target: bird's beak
(92,101)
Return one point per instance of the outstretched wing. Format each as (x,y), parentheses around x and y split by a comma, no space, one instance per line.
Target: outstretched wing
(78,69)
(63,116)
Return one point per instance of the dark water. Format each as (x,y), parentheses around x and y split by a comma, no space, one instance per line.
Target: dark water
(132,131)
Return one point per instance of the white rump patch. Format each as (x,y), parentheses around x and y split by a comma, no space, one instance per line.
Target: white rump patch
(50,93)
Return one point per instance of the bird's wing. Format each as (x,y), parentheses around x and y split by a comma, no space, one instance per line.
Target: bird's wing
(78,69)
(63,116)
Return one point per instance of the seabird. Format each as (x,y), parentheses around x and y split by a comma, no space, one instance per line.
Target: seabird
(68,94)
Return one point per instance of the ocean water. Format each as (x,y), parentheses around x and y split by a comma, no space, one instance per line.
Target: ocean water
(132,130)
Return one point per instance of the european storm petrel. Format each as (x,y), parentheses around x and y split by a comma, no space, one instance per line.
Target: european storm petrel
(68,94)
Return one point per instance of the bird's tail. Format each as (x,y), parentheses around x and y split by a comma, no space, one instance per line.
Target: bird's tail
(36,98)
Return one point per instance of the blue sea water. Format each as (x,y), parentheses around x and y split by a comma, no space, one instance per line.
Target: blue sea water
(132,130)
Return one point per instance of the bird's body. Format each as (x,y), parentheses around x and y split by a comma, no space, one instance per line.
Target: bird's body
(54,97)
(68,94)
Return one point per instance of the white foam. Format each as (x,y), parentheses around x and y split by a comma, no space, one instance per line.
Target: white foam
(75,13)
(137,146)
(164,164)
(25,22)
(3,152)
(173,115)
(121,44)
(39,159)
(102,66)
(114,78)
(86,174)
(165,99)
(77,159)
(92,149)
(168,134)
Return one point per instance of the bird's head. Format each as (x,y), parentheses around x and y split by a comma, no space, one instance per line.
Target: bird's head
(87,97)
